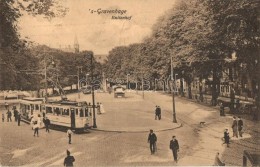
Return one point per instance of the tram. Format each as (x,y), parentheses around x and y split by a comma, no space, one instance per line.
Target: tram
(64,113)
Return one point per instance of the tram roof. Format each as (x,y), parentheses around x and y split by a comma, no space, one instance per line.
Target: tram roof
(67,102)
(33,99)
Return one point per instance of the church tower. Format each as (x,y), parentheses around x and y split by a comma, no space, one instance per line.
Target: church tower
(76,44)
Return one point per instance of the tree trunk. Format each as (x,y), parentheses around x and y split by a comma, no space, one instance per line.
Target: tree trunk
(189,89)
(200,89)
(215,84)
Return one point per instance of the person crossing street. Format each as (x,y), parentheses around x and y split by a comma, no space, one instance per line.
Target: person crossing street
(174,146)
(152,139)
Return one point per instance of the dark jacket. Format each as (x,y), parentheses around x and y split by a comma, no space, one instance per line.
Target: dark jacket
(226,135)
(240,124)
(47,122)
(174,145)
(68,161)
(152,138)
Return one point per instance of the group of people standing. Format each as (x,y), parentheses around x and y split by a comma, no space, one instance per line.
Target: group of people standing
(16,114)
(174,145)
(237,127)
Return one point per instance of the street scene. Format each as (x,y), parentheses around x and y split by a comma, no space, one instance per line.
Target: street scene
(120,83)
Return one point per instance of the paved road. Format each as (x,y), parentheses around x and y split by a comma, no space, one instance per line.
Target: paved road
(198,144)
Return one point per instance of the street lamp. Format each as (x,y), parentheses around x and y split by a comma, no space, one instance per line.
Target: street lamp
(79,68)
(92,91)
(174,120)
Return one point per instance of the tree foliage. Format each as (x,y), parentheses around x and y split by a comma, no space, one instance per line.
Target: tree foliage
(13,50)
(199,35)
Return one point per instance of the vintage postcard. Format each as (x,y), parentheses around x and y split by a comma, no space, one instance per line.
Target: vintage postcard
(129,82)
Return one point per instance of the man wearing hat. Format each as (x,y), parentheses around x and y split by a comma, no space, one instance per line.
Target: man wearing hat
(152,140)
(47,124)
(174,146)
(68,161)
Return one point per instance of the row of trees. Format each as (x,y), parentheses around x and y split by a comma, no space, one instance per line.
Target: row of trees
(22,63)
(14,51)
(200,35)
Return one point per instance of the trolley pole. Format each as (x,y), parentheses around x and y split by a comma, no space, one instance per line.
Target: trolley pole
(174,120)
(93,94)
(45,77)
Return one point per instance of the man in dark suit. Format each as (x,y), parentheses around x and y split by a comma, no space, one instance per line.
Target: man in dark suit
(174,146)
(18,118)
(240,126)
(152,140)
(68,161)
(47,124)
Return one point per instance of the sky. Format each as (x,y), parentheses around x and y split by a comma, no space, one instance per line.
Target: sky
(97,32)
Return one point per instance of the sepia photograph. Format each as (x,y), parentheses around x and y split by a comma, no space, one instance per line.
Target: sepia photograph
(129,83)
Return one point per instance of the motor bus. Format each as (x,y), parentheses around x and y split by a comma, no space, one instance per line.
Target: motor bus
(63,113)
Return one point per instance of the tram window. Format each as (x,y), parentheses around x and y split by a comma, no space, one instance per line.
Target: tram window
(36,107)
(77,111)
(81,114)
(86,112)
(57,111)
(43,107)
(48,109)
(32,107)
(28,107)
(66,112)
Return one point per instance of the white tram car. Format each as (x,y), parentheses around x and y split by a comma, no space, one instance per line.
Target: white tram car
(68,114)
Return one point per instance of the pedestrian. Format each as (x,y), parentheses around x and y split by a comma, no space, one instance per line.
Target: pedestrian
(221,109)
(240,126)
(15,113)
(174,146)
(218,162)
(159,112)
(102,110)
(18,118)
(156,112)
(47,124)
(234,127)
(152,139)
(69,133)
(36,128)
(6,105)
(9,116)
(3,117)
(226,137)
(68,161)
(98,108)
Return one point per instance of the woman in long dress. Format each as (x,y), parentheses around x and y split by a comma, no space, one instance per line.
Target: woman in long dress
(102,110)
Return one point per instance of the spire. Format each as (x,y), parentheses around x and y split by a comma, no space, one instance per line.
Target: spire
(76,44)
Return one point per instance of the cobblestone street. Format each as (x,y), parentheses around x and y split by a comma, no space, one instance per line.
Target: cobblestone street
(131,119)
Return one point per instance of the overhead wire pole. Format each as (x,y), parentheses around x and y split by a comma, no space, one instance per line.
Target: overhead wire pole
(45,77)
(79,67)
(93,94)
(174,120)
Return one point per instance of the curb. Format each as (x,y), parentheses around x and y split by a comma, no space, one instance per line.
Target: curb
(137,131)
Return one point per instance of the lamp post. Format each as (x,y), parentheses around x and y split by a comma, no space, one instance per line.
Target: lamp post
(174,120)
(79,68)
(93,93)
